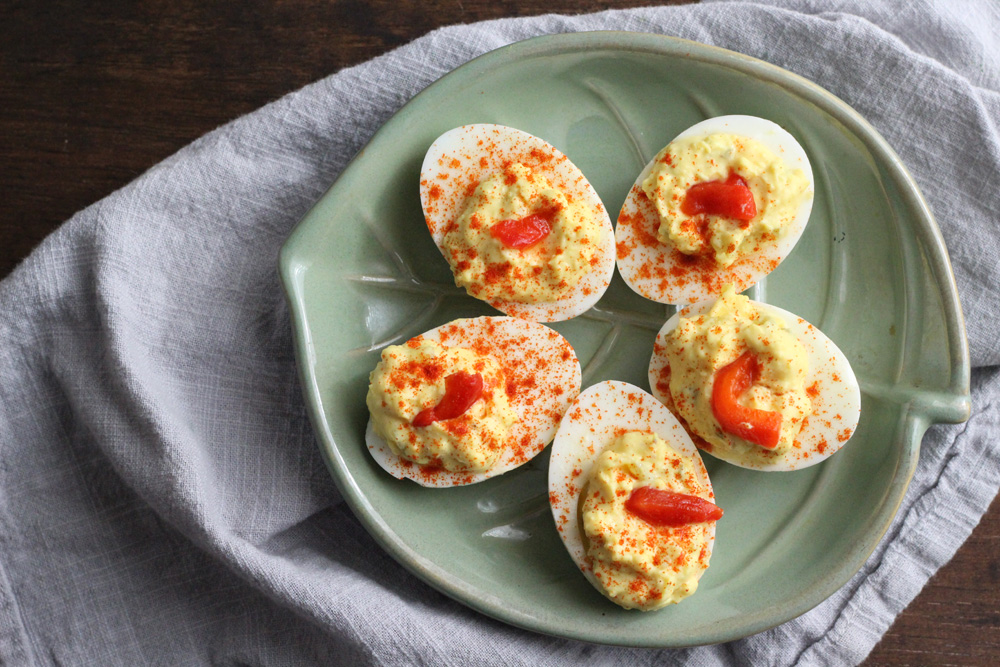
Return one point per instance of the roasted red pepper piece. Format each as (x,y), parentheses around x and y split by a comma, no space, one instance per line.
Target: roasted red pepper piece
(758,426)
(523,233)
(731,198)
(667,508)
(461,390)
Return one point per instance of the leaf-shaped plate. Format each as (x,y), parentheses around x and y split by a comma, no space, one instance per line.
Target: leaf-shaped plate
(871,271)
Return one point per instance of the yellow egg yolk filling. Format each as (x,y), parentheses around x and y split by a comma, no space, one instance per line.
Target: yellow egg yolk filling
(777,191)
(411,378)
(702,345)
(638,565)
(479,247)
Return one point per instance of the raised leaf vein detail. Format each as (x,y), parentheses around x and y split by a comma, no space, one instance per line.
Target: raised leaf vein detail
(405,280)
(618,316)
(596,86)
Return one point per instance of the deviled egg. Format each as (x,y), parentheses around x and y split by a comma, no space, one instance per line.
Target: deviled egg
(469,400)
(519,224)
(631,497)
(723,203)
(755,385)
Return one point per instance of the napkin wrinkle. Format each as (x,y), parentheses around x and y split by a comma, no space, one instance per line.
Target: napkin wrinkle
(961,40)
(826,640)
(14,639)
(169,469)
(965,35)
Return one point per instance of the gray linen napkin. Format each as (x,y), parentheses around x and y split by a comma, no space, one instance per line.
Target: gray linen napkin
(162,499)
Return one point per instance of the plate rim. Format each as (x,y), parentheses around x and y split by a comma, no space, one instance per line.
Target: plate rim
(950,405)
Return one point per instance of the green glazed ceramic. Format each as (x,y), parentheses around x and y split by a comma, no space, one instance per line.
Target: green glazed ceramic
(871,271)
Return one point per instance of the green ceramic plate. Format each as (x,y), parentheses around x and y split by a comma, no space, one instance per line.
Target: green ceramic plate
(871,271)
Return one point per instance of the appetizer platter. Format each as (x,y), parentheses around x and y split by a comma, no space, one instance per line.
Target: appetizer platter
(517,251)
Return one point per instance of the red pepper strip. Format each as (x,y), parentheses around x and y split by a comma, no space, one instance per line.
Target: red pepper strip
(461,390)
(523,233)
(666,508)
(731,198)
(758,426)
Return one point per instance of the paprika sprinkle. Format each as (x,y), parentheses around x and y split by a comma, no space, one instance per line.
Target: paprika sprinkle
(631,497)
(519,224)
(469,400)
(723,203)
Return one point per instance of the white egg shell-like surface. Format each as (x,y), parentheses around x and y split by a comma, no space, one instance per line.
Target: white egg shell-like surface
(596,418)
(543,374)
(460,158)
(836,395)
(661,273)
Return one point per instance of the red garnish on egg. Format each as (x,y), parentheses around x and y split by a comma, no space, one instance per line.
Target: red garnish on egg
(757,426)
(658,507)
(461,390)
(522,233)
(731,198)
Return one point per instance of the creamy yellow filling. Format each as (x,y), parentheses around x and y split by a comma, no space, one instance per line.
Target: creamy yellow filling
(490,270)
(777,190)
(703,344)
(640,566)
(410,378)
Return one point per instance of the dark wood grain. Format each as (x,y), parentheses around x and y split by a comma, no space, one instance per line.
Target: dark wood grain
(94,93)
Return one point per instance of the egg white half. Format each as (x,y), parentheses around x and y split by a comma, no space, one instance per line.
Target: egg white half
(836,407)
(652,269)
(537,360)
(596,418)
(461,158)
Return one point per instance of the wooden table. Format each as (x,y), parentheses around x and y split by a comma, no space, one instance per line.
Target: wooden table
(92,94)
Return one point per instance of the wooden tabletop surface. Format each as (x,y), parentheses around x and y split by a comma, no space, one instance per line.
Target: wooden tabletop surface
(92,94)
